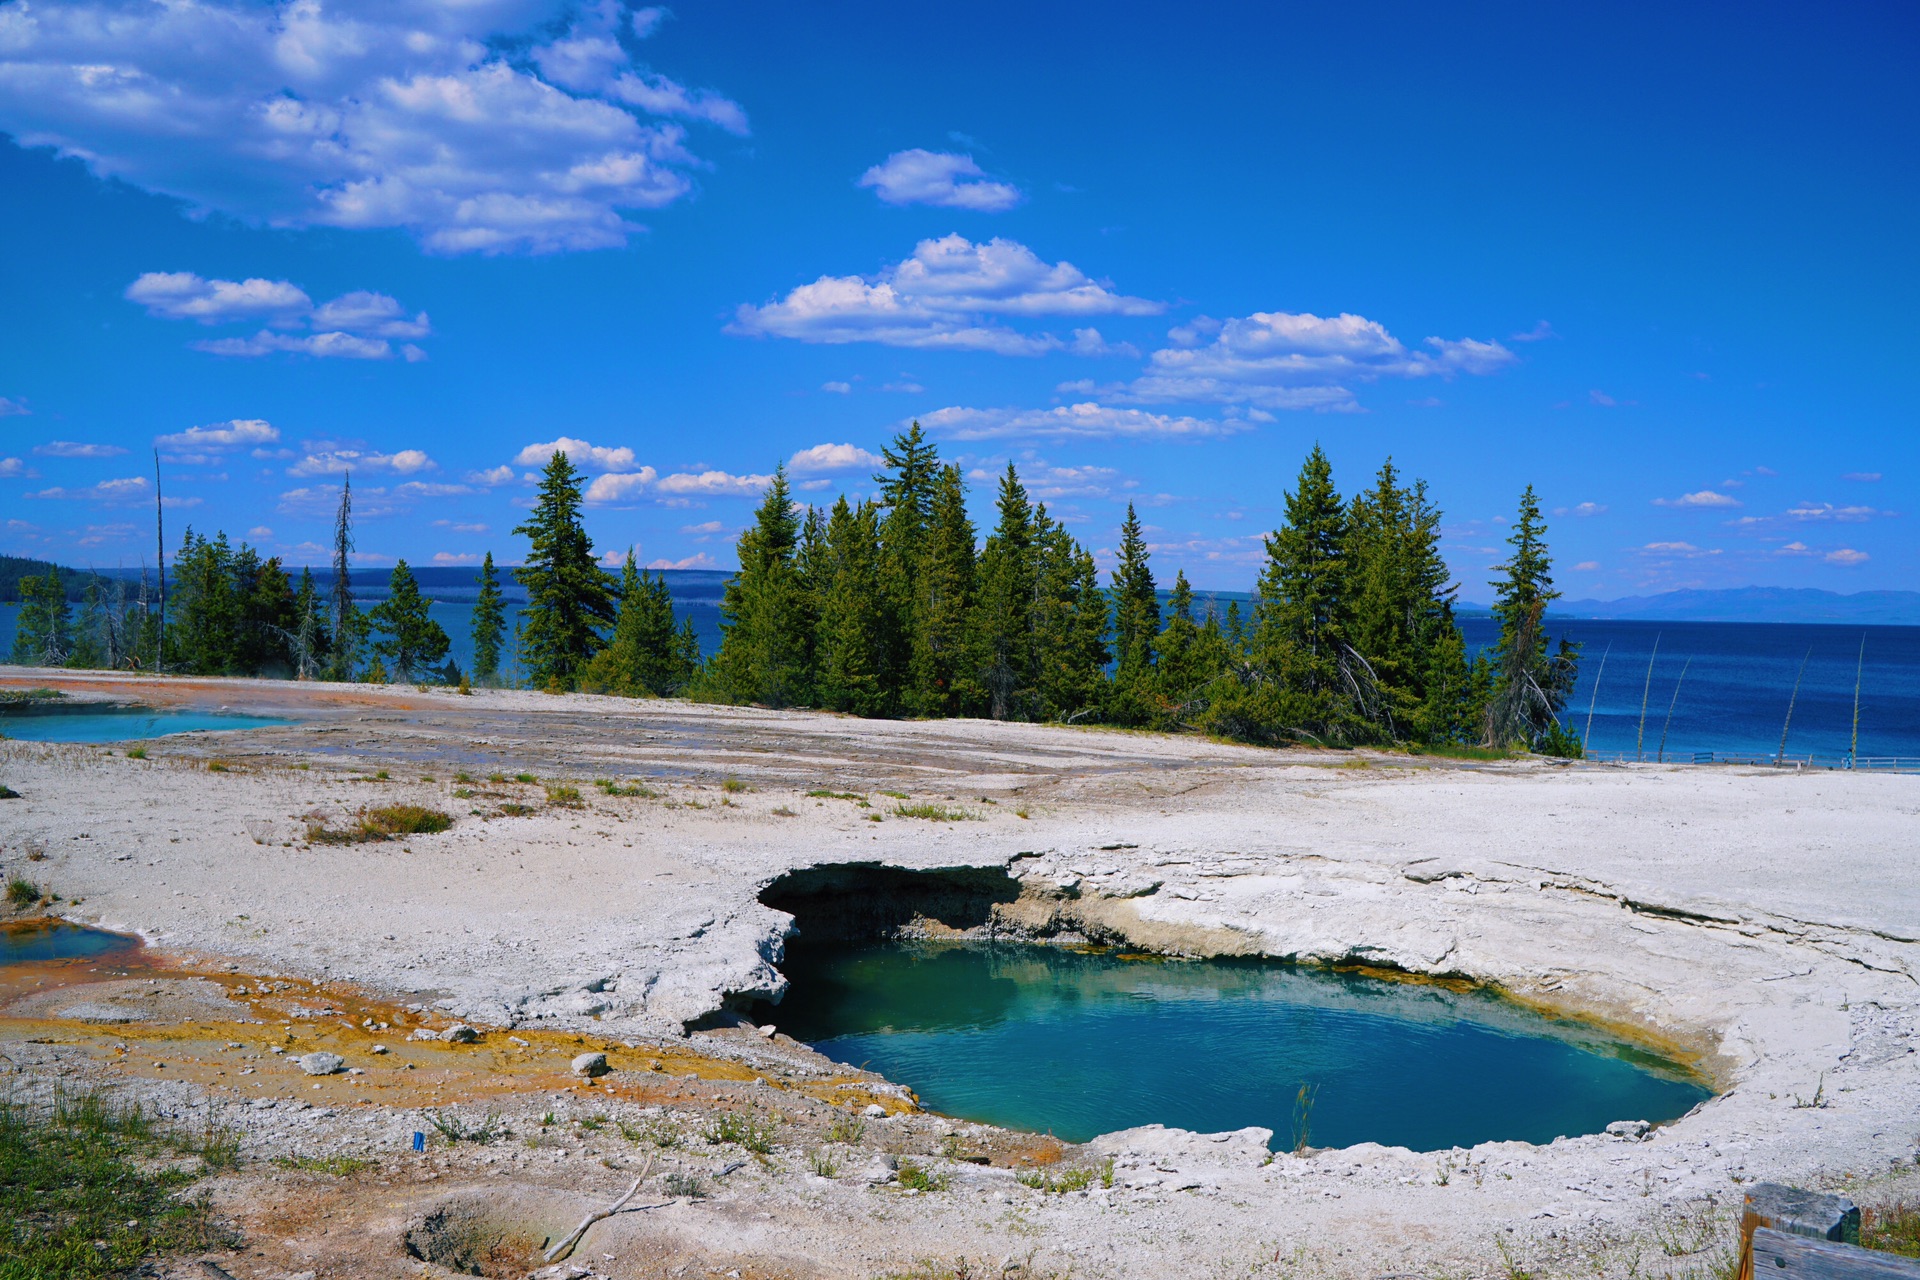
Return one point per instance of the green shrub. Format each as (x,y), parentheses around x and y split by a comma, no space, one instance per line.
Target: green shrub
(745,1131)
(8,793)
(1070,1180)
(934,813)
(565,797)
(137,753)
(914,1178)
(733,786)
(525,777)
(386,822)
(21,892)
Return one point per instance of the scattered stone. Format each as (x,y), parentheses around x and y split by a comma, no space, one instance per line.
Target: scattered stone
(875,1111)
(590,1065)
(767,1031)
(380,1048)
(460,1033)
(877,1174)
(1631,1130)
(321,1063)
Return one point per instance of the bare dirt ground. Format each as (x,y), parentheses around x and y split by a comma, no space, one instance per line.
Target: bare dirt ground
(1765,926)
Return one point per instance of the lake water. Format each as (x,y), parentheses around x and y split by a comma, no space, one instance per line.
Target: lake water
(1733,700)
(88,723)
(1076,1045)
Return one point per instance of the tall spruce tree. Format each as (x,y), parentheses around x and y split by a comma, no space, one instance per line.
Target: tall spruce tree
(766,623)
(943,682)
(569,597)
(43,634)
(907,494)
(1136,626)
(1530,681)
(411,640)
(644,658)
(852,630)
(489,624)
(349,628)
(1003,606)
(1301,617)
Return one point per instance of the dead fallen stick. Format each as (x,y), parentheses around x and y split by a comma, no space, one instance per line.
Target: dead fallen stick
(561,1249)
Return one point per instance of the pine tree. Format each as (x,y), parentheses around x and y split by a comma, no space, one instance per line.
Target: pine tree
(643,658)
(1136,618)
(852,627)
(1530,684)
(907,493)
(1192,656)
(411,639)
(1002,638)
(349,628)
(310,640)
(43,631)
(1299,641)
(207,611)
(489,624)
(569,597)
(89,648)
(766,649)
(943,681)
(268,616)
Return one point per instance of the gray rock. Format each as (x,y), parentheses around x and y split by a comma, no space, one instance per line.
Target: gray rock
(1631,1130)
(875,1111)
(877,1174)
(320,1064)
(591,1064)
(460,1033)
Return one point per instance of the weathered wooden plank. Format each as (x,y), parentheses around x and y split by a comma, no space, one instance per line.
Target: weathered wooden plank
(1803,1213)
(1782,1255)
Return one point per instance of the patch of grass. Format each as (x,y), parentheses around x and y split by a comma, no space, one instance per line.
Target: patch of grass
(219,766)
(1070,1180)
(849,1130)
(821,793)
(511,810)
(463,777)
(934,813)
(733,786)
(1022,812)
(896,795)
(22,892)
(30,695)
(564,796)
(79,1198)
(8,793)
(380,775)
(1452,751)
(592,1124)
(686,1184)
(525,777)
(612,788)
(741,1130)
(463,793)
(659,1133)
(386,822)
(453,1129)
(137,753)
(822,1163)
(332,1166)
(1893,1228)
(913,1177)
(781,811)
(496,777)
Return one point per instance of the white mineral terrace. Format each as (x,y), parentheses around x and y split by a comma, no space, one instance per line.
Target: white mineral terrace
(1767,924)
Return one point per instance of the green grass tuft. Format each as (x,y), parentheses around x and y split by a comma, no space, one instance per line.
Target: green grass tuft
(742,1130)
(934,813)
(22,892)
(332,1166)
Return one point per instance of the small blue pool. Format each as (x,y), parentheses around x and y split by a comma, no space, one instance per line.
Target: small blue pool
(20,944)
(115,722)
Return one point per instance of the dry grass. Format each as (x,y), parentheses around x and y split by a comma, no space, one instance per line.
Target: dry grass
(386,822)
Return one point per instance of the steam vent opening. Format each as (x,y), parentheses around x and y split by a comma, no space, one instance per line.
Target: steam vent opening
(1078,1042)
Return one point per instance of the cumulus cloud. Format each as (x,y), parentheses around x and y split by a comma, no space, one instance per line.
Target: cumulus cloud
(1088,342)
(699,560)
(1051,483)
(949,294)
(1084,421)
(939,178)
(1683,550)
(486,128)
(1289,360)
(834,457)
(1847,556)
(354,326)
(13,408)
(221,436)
(1539,333)
(455,557)
(74,449)
(323,462)
(11,468)
(1704,498)
(583,454)
(713,484)
(837,388)
(1827,511)
(1582,509)
(114,492)
(619,486)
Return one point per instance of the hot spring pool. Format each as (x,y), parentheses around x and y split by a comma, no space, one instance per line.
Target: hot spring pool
(1079,1044)
(113,722)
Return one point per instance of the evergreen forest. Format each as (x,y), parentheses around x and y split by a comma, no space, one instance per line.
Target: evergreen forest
(899,606)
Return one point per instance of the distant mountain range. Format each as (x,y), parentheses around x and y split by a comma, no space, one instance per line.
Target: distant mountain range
(1757,604)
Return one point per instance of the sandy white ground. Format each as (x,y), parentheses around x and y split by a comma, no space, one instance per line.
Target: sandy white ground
(1769,922)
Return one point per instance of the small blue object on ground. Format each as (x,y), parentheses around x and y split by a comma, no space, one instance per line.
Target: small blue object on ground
(419,1141)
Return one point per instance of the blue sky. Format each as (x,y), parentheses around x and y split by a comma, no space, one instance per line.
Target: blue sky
(1658,261)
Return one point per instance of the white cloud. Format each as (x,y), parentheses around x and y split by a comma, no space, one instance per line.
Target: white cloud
(1859,477)
(947,295)
(74,449)
(1827,511)
(1587,566)
(1583,509)
(492,475)
(1539,333)
(460,528)
(838,388)
(455,557)
(619,486)
(1794,549)
(834,457)
(374,314)
(1685,550)
(1287,360)
(426,489)
(1704,498)
(586,456)
(11,467)
(260,531)
(182,295)
(476,127)
(938,178)
(713,484)
(221,436)
(12,408)
(323,462)
(1602,399)
(1049,483)
(1088,342)
(700,560)
(130,489)
(1088,421)
(706,528)
(341,346)
(1847,556)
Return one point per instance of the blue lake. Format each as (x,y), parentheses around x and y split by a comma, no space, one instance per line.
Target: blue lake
(1078,1044)
(84,723)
